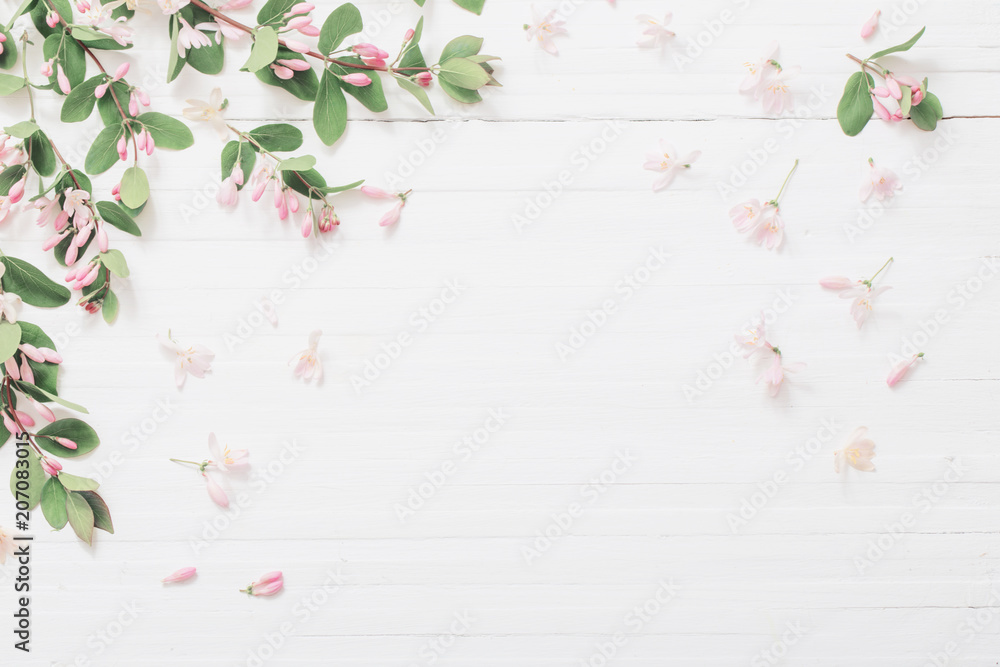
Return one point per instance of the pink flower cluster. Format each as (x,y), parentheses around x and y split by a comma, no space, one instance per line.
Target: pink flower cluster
(892,90)
(755,346)
(391,217)
(767,81)
(76,219)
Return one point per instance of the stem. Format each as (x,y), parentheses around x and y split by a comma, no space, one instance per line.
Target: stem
(865,64)
(194,463)
(312,54)
(794,167)
(24,68)
(263,151)
(13,415)
(872,279)
(20,10)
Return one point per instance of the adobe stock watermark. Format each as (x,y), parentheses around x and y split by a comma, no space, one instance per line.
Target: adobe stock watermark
(596,318)
(922,503)
(416,157)
(100,640)
(463,451)
(420,320)
(796,459)
(723,361)
(581,160)
(975,623)
(562,522)
(712,30)
(435,647)
(913,170)
(780,647)
(632,624)
(137,434)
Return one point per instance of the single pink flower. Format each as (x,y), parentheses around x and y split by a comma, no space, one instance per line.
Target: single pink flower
(880,110)
(423,79)
(215,491)
(270,584)
(858,453)
(63,80)
(775,94)
(295,64)
(65,442)
(391,216)
(868,29)
(195,360)
(227,460)
(759,72)
(544,29)
(366,50)
(357,79)
(43,410)
(861,309)
(771,230)
(881,181)
(668,162)
(746,216)
(654,32)
(774,374)
(307,362)
(182,574)
(917,97)
(50,466)
(753,339)
(900,370)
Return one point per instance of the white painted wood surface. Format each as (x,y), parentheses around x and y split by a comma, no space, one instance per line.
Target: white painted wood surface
(331,464)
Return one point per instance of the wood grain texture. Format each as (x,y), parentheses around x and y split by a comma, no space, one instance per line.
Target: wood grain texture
(693,520)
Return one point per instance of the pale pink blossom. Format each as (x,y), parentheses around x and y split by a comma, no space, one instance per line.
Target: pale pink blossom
(423,79)
(749,215)
(281,71)
(189,37)
(858,453)
(759,72)
(195,360)
(221,29)
(775,95)
(839,283)
(366,50)
(391,216)
(75,204)
(228,193)
(52,19)
(654,32)
(43,410)
(6,545)
(227,460)
(211,112)
(119,31)
(182,574)
(50,466)
(544,29)
(16,192)
(269,584)
(215,491)
(172,6)
(307,362)
(753,339)
(668,162)
(46,67)
(771,230)
(868,29)
(900,370)
(63,80)
(774,373)
(297,46)
(357,79)
(881,181)
(861,308)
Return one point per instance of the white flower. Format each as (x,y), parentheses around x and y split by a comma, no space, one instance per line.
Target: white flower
(190,38)
(172,6)
(544,29)
(654,32)
(195,359)
(880,180)
(307,362)
(669,163)
(858,453)
(211,112)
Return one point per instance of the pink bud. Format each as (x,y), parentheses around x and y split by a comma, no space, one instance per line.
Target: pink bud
(902,369)
(376,193)
(837,282)
(392,217)
(309,30)
(62,80)
(47,68)
(122,148)
(918,96)
(51,466)
(65,442)
(82,6)
(102,238)
(150,144)
(10,424)
(26,373)
(356,79)
(182,574)
(424,79)
(61,220)
(71,253)
(295,64)
(292,201)
(11,367)
(215,492)
(236,174)
(300,8)
(299,22)
(880,110)
(893,86)
(133,105)
(24,418)
(269,578)
(121,71)
(140,140)
(16,191)
(282,72)
(143,97)
(408,35)
(43,410)
(83,235)
(51,356)
(100,90)
(307,225)
(869,27)
(297,46)
(366,50)
(52,19)
(91,275)
(31,352)
(880,91)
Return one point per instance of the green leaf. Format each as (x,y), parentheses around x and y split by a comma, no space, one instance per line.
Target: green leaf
(298,163)
(135,187)
(103,154)
(464,73)
(10,83)
(76,430)
(33,286)
(176,61)
(116,216)
(343,21)
(43,158)
(273,10)
(302,85)
(46,374)
(206,59)
(109,307)
(905,46)
(107,107)
(72,179)
(855,107)
(906,100)
(371,95)
(10,176)
(81,517)
(474,6)
(54,503)
(279,137)
(294,180)
(247,157)
(461,47)
(264,51)
(460,94)
(9,56)
(167,132)
(927,114)
(330,110)
(22,130)
(54,398)
(10,338)
(80,102)
(115,261)
(35,480)
(41,9)
(342,188)
(75,483)
(102,515)
(70,55)
(417,92)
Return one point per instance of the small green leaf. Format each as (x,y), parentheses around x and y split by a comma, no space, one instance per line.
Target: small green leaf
(81,517)
(9,56)
(247,156)
(167,132)
(10,338)
(464,73)
(905,100)
(109,307)
(135,187)
(103,153)
(905,46)
(343,21)
(417,92)
(43,158)
(460,94)
(22,130)
(330,110)
(74,483)
(33,286)
(116,216)
(461,47)
(265,49)
(79,104)
(855,107)
(115,261)
(279,137)
(53,502)
(927,114)
(298,163)
(474,6)
(11,84)
(102,515)
(76,430)
(294,180)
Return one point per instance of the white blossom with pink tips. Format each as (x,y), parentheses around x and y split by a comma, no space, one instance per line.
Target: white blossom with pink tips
(880,181)
(762,222)
(654,31)
(668,163)
(869,26)
(766,80)
(308,364)
(900,370)
(544,28)
(857,453)
(193,360)
(223,461)
(775,372)
(391,216)
(755,346)
(211,112)
(861,291)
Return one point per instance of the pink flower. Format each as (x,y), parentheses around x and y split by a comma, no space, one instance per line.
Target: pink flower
(282,72)
(62,80)
(774,374)
(753,339)
(880,180)
(544,29)
(269,584)
(423,79)
(189,37)
(669,163)
(408,35)
(917,96)
(749,215)
(215,491)
(295,64)
(839,283)
(16,192)
(195,360)
(654,32)
(868,29)
(357,79)
(50,466)
(391,216)
(858,453)
(43,410)
(46,68)
(900,370)
(366,50)
(862,306)
(308,221)
(759,72)
(52,19)
(182,574)
(775,94)
(376,193)
(297,46)
(307,362)
(227,460)
(228,193)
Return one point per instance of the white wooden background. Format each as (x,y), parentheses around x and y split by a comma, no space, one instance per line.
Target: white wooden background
(330,464)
